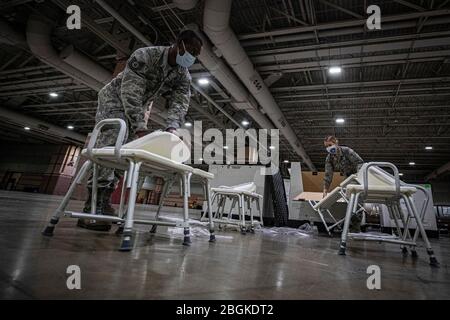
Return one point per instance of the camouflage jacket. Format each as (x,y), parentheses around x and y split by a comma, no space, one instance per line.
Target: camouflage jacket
(146,76)
(347,161)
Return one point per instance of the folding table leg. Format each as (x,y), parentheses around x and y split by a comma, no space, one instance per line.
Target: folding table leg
(230,213)
(187,237)
(166,188)
(212,237)
(126,186)
(258,206)
(249,207)
(348,216)
(412,209)
(393,209)
(127,240)
(48,231)
(241,213)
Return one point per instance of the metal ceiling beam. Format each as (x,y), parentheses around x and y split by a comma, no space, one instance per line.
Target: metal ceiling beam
(334,53)
(395,58)
(438,172)
(96,29)
(361,84)
(335,6)
(411,5)
(343,24)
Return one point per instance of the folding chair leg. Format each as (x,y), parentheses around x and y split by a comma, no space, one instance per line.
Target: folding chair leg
(393,209)
(126,186)
(212,237)
(413,210)
(348,216)
(323,221)
(166,188)
(187,237)
(230,213)
(258,206)
(406,233)
(127,238)
(249,207)
(242,214)
(48,231)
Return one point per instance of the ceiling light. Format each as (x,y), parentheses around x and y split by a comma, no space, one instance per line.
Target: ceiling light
(53,94)
(70,127)
(286,161)
(27,128)
(412,163)
(203,81)
(225,147)
(188,124)
(245,123)
(201,159)
(400,174)
(334,70)
(271,147)
(429,148)
(340,120)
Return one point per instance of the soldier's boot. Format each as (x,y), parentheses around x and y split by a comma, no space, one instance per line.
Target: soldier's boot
(355,224)
(102,207)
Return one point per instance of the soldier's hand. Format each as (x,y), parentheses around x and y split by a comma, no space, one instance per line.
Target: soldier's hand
(141,133)
(171,130)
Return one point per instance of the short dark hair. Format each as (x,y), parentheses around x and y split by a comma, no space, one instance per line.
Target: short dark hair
(189,35)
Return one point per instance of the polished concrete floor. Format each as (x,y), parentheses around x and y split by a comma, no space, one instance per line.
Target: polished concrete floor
(253,266)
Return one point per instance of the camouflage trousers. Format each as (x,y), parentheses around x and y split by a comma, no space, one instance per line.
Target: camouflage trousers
(109,106)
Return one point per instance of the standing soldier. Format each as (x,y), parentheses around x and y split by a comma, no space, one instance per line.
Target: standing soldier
(149,73)
(347,161)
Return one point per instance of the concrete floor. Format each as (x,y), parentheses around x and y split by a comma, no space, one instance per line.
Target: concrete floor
(254,266)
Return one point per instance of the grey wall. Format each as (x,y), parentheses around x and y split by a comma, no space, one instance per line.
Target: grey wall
(441,192)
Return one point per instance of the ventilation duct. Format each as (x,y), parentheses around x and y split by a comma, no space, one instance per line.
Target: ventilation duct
(83,63)
(216,26)
(38,38)
(185,4)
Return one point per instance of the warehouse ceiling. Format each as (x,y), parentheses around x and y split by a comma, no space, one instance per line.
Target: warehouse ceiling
(393,91)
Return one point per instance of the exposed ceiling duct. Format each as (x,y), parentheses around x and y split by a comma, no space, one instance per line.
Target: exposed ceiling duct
(242,98)
(216,26)
(34,124)
(124,22)
(38,38)
(185,4)
(83,63)
(10,36)
(438,172)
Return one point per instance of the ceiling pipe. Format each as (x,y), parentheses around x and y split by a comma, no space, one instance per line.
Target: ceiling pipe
(10,36)
(216,26)
(38,38)
(85,64)
(212,63)
(124,22)
(185,4)
(438,172)
(242,100)
(34,124)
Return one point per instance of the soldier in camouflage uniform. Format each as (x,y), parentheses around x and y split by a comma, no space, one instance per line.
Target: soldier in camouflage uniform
(348,162)
(150,72)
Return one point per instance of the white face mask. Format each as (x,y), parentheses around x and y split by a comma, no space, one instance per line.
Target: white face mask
(187,59)
(332,149)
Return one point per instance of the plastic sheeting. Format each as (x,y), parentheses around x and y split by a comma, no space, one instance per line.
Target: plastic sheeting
(303,231)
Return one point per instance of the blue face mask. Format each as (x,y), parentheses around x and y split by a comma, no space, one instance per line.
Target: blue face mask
(186,60)
(332,149)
